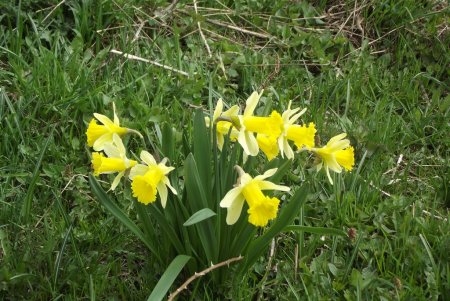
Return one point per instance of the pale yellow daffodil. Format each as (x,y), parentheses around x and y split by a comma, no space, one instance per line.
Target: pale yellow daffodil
(268,129)
(151,178)
(261,207)
(115,160)
(223,126)
(300,135)
(98,135)
(336,154)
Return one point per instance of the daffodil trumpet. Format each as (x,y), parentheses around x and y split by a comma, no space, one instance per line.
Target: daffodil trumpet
(151,178)
(114,161)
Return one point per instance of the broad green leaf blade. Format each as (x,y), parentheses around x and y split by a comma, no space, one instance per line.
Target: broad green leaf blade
(315,230)
(287,215)
(119,214)
(197,200)
(168,142)
(202,151)
(199,216)
(26,209)
(167,279)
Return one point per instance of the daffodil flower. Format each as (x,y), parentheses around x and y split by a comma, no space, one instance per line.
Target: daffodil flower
(300,135)
(223,126)
(149,179)
(98,135)
(336,154)
(116,160)
(269,128)
(261,207)
(246,138)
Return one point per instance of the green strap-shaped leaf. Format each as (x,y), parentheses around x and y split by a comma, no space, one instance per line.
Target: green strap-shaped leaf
(119,214)
(197,200)
(202,151)
(315,230)
(167,279)
(199,216)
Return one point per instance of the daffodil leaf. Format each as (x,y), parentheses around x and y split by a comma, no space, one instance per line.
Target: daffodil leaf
(120,215)
(199,216)
(167,279)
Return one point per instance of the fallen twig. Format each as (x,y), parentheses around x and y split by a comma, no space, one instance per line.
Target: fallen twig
(137,58)
(200,274)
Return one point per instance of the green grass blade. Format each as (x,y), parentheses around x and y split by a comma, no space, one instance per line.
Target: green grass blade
(167,279)
(119,214)
(315,230)
(199,216)
(26,209)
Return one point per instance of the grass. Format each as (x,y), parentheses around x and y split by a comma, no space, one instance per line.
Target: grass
(377,70)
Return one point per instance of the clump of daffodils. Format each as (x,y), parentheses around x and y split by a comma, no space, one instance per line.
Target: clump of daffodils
(147,179)
(273,134)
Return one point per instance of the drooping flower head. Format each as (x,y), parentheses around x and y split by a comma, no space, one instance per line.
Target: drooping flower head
(261,207)
(223,126)
(151,178)
(98,135)
(337,154)
(115,161)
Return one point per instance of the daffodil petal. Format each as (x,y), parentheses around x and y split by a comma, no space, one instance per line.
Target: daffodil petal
(267,185)
(147,158)
(138,170)
(99,144)
(234,211)
(267,174)
(248,143)
(116,118)
(103,119)
(162,191)
(118,142)
(328,175)
(218,109)
(288,150)
(251,103)
(117,180)
(167,182)
(230,197)
(111,150)
(233,111)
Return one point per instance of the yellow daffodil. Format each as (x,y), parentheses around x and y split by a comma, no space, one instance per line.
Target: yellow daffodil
(301,135)
(261,207)
(268,128)
(336,154)
(246,138)
(151,178)
(223,126)
(98,135)
(116,160)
